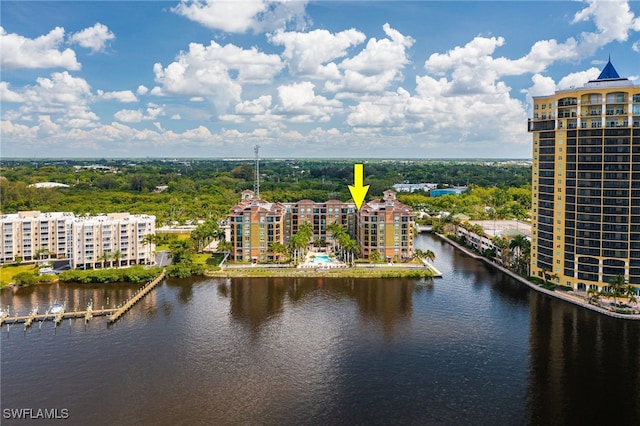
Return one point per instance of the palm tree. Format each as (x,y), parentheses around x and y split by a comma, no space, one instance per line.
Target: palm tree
(616,285)
(631,293)
(424,254)
(277,249)
(594,295)
(335,230)
(296,244)
(104,258)
(351,247)
(520,250)
(116,256)
(43,252)
(503,245)
(147,241)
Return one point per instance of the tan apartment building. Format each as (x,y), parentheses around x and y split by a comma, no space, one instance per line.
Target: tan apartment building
(386,226)
(82,240)
(586,183)
(255,224)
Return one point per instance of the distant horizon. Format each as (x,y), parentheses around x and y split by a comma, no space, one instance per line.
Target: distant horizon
(268,158)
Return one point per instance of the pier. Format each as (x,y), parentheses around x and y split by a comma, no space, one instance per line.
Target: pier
(135,298)
(56,318)
(112,314)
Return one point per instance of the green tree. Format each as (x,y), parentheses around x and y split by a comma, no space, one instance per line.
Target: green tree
(277,249)
(25,278)
(424,254)
(593,295)
(375,257)
(116,256)
(502,244)
(616,287)
(521,253)
(224,246)
(104,258)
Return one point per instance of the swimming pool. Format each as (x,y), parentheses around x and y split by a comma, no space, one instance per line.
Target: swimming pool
(321,259)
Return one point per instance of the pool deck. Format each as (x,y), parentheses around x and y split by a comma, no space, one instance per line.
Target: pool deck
(310,263)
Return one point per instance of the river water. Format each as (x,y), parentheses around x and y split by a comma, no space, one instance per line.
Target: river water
(474,347)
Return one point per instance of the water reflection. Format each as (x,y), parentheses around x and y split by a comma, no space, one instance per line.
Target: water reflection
(472,347)
(256,301)
(585,368)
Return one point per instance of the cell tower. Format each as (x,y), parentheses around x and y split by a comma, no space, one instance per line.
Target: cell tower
(256,185)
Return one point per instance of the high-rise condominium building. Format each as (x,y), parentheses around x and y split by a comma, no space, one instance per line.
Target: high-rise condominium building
(586,183)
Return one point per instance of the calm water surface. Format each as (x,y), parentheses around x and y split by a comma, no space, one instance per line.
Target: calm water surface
(474,347)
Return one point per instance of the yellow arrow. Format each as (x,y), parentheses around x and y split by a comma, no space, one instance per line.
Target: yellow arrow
(358,192)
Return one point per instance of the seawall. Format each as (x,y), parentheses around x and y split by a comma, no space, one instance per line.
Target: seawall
(556,294)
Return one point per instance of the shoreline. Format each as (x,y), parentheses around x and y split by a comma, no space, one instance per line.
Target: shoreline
(558,294)
(373,271)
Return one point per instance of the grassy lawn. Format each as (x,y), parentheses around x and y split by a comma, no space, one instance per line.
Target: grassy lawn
(201,258)
(170,238)
(337,273)
(8,272)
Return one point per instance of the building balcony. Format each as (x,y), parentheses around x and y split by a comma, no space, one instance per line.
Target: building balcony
(568,102)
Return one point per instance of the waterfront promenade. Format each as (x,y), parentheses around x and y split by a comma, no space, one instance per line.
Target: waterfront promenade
(558,294)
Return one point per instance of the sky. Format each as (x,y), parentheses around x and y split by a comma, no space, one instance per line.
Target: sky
(328,79)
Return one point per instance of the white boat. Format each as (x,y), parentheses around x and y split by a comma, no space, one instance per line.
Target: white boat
(57,309)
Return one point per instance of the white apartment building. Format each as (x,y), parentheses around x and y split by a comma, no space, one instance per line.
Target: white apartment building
(115,239)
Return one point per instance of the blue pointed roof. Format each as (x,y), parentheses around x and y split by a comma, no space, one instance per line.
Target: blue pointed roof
(608,72)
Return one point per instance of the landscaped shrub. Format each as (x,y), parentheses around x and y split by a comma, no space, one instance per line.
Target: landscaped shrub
(26,278)
(135,274)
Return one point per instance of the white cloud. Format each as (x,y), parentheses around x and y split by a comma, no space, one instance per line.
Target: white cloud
(152,112)
(62,97)
(613,20)
(377,66)
(125,96)
(307,53)
(473,69)
(176,117)
(129,115)
(542,86)
(577,79)
(142,90)
(206,71)
(301,104)
(40,52)
(8,95)
(255,106)
(234,17)
(386,111)
(94,38)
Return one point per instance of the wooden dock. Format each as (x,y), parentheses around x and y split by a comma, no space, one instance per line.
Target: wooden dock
(135,298)
(112,314)
(61,316)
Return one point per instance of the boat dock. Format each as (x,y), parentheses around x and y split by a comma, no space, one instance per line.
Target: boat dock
(113,317)
(31,318)
(112,314)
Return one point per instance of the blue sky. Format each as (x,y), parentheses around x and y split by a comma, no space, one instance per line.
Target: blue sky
(362,79)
